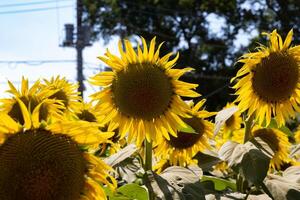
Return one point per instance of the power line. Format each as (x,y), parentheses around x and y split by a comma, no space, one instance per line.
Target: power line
(14,63)
(35,62)
(34,10)
(28,4)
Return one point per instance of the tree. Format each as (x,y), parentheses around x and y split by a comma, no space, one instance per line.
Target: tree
(204,32)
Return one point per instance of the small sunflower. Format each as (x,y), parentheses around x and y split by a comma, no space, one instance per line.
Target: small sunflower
(40,161)
(268,83)
(234,122)
(141,94)
(277,141)
(181,149)
(31,97)
(60,89)
(89,113)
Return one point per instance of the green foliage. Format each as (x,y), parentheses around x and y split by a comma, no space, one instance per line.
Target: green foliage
(219,184)
(254,166)
(129,192)
(284,129)
(187,129)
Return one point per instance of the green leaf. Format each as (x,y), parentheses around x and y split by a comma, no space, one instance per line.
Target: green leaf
(254,166)
(188,129)
(133,191)
(286,130)
(220,184)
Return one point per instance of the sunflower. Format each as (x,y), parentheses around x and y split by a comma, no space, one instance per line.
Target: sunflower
(60,89)
(181,149)
(277,141)
(141,94)
(268,83)
(88,112)
(40,161)
(31,97)
(234,122)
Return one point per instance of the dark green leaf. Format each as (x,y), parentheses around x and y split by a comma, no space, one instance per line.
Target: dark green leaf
(219,184)
(254,166)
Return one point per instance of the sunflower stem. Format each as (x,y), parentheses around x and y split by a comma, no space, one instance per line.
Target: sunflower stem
(148,165)
(148,156)
(248,126)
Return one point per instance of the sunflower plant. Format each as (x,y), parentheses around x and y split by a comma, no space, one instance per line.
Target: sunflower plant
(138,138)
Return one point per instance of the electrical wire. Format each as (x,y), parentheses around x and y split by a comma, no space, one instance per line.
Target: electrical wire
(34,10)
(28,3)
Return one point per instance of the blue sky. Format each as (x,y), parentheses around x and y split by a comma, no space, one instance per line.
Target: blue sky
(36,36)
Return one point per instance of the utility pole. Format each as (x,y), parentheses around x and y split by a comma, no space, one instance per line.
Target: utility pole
(78,40)
(79,45)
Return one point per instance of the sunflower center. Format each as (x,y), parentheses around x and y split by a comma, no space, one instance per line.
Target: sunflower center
(60,95)
(269,137)
(142,91)
(230,121)
(16,113)
(275,77)
(41,166)
(87,116)
(186,140)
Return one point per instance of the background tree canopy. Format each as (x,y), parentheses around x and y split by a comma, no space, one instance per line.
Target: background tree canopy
(210,35)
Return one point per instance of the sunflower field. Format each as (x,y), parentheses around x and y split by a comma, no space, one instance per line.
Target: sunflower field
(143,135)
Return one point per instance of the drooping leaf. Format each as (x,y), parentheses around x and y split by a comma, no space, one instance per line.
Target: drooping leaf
(127,167)
(262,146)
(222,116)
(121,155)
(177,183)
(254,166)
(295,152)
(233,152)
(236,196)
(207,159)
(285,187)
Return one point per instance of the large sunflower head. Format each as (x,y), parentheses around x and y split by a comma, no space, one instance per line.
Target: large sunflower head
(141,94)
(31,98)
(180,148)
(268,83)
(48,162)
(62,90)
(277,141)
